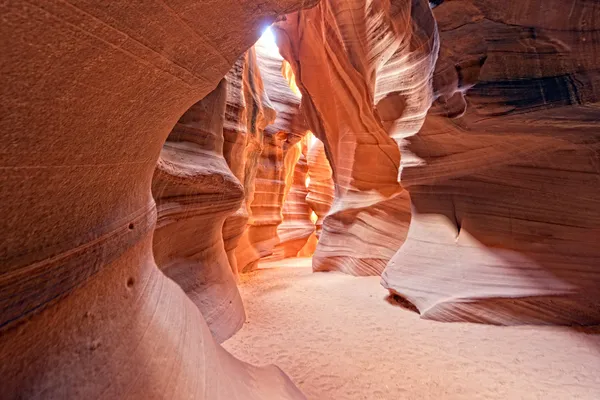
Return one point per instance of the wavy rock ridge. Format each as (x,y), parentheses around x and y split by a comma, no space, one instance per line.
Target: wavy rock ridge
(248,113)
(341,53)
(195,191)
(297,227)
(275,162)
(105,104)
(505,211)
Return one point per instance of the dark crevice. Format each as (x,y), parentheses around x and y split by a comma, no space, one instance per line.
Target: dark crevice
(402,302)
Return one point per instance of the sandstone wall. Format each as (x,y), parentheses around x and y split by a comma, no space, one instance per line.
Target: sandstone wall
(90,93)
(506,212)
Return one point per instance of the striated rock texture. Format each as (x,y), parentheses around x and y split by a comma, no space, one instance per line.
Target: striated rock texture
(320,183)
(90,93)
(297,226)
(235,138)
(248,112)
(289,125)
(506,201)
(287,129)
(267,202)
(195,191)
(364,70)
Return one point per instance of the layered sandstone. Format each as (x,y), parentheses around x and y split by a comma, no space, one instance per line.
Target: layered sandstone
(268,200)
(275,162)
(195,191)
(364,71)
(506,210)
(248,112)
(320,186)
(91,92)
(297,226)
(235,140)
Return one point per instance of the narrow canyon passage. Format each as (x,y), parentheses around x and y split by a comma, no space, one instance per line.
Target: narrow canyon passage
(300,199)
(337,338)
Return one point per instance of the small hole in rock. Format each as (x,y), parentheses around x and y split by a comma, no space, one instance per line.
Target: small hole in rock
(131,227)
(130,282)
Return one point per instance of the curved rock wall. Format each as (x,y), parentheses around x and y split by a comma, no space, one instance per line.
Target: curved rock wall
(506,209)
(320,185)
(260,113)
(268,200)
(248,112)
(92,91)
(235,138)
(342,53)
(287,129)
(195,191)
(297,226)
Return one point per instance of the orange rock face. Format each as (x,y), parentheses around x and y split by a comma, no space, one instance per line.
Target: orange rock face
(320,183)
(195,191)
(287,129)
(147,151)
(91,92)
(248,112)
(506,215)
(235,145)
(268,200)
(297,226)
(364,70)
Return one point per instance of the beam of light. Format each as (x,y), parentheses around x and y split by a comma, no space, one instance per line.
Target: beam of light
(267,41)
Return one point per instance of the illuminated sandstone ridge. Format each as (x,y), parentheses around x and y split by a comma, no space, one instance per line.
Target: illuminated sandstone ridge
(195,191)
(297,226)
(92,94)
(320,185)
(274,161)
(267,201)
(339,51)
(235,145)
(248,112)
(506,209)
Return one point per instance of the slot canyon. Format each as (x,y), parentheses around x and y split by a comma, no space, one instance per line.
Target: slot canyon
(300,199)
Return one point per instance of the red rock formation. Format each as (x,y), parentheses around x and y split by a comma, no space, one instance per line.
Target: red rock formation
(195,191)
(297,225)
(506,210)
(248,112)
(235,138)
(90,93)
(320,183)
(246,253)
(268,200)
(344,54)
(289,125)
(285,131)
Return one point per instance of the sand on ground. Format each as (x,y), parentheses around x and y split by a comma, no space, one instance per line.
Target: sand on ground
(338,338)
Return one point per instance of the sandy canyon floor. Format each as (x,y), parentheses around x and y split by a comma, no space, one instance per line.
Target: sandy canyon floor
(339,338)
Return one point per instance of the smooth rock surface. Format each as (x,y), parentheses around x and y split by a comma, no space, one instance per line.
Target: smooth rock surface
(195,191)
(364,69)
(274,164)
(90,93)
(297,226)
(504,179)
